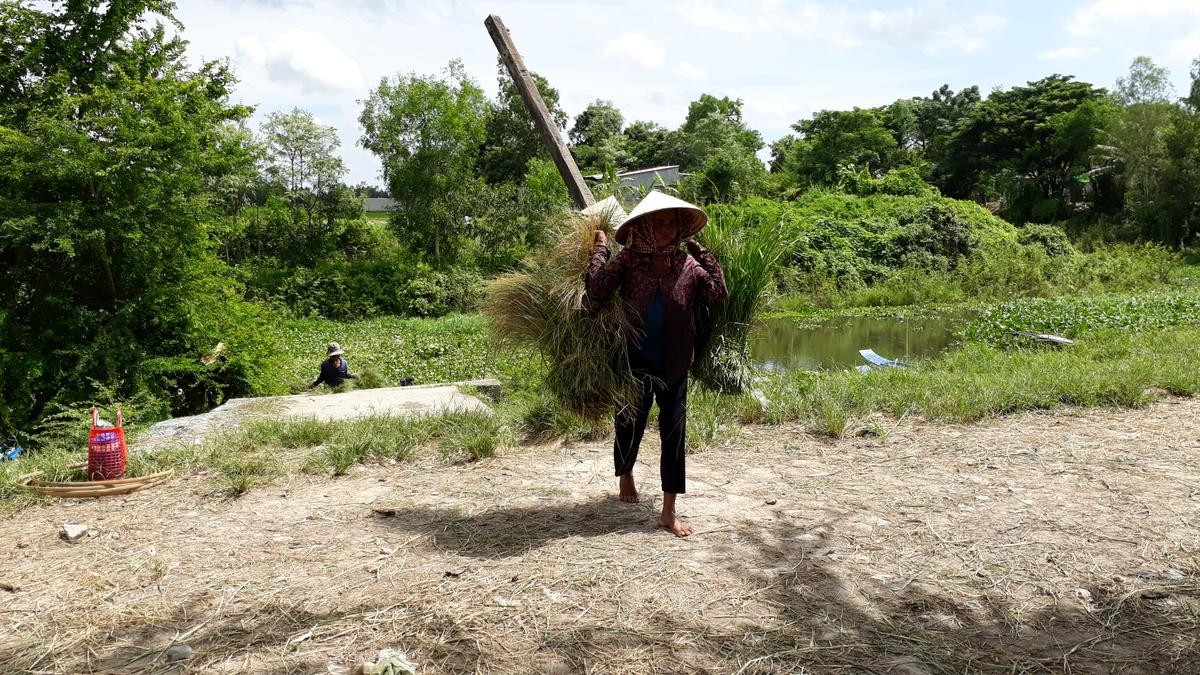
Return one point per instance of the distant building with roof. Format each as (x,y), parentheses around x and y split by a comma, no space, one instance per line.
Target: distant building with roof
(646,179)
(379,204)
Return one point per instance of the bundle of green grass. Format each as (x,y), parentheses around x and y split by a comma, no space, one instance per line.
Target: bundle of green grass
(544,306)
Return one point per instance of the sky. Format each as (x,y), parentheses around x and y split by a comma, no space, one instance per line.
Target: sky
(784,59)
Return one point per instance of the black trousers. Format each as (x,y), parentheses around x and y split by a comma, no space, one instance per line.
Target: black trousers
(672,428)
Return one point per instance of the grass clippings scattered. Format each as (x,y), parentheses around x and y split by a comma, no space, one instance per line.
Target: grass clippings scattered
(1027,544)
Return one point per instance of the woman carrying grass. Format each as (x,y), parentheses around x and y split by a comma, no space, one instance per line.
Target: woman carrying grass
(658,285)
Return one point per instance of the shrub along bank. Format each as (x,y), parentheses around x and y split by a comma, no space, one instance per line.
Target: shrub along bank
(900,249)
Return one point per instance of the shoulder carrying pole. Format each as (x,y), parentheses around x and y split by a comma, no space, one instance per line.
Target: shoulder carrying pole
(580,194)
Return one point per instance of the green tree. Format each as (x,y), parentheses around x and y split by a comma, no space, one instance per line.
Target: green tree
(426,131)
(712,125)
(648,144)
(900,118)
(727,176)
(1136,134)
(834,139)
(1077,137)
(301,159)
(781,148)
(1010,146)
(1192,100)
(937,118)
(112,151)
(511,139)
(596,138)
(1176,220)
(512,220)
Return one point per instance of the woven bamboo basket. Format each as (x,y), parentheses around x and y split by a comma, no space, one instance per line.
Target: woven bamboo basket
(92,488)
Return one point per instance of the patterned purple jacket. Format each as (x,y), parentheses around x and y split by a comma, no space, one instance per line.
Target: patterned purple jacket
(688,276)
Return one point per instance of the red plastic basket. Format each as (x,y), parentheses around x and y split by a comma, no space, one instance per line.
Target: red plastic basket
(106,449)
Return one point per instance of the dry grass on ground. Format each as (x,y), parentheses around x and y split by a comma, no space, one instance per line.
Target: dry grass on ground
(1035,543)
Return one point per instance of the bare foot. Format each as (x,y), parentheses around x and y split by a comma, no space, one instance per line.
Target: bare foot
(675,525)
(629,492)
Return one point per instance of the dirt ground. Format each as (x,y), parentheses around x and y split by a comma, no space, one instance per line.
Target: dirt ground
(1048,542)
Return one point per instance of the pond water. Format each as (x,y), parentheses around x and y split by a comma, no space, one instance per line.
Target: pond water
(788,344)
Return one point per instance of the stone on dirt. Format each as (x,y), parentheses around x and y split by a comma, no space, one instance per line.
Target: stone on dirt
(179,653)
(73,532)
(388,662)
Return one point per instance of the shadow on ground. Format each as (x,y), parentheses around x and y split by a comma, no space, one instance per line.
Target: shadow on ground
(806,617)
(514,530)
(822,621)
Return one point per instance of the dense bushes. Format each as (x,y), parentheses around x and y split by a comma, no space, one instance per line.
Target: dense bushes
(1053,239)
(348,290)
(280,234)
(886,249)
(114,152)
(847,242)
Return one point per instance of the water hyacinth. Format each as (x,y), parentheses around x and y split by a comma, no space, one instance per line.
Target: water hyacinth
(544,306)
(1073,317)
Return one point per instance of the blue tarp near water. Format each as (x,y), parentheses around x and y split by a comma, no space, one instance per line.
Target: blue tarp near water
(875,359)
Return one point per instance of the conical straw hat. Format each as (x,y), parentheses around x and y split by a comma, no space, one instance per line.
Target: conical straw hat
(610,208)
(691,218)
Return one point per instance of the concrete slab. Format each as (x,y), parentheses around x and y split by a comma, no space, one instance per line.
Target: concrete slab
(387,401)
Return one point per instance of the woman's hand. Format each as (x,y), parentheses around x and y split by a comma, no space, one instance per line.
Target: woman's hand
(601,238)
(694,247)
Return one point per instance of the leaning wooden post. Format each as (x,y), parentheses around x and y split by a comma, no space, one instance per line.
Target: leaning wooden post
(580,194)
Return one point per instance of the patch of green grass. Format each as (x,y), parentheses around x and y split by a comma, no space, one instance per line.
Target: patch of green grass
(978,381)
(265,449)
(831,416)
(393,438)
(300,433)
(538,416)
(240,473)
(52,462)
(385,350)
(339,458)
(712,416)
(55,463)
(471,435)
(874,428)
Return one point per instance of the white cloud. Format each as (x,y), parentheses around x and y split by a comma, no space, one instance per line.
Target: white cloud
(929,26)
(304,59)
(690,71)
(1186,48)
(638,48)
(250,51)
(1107,15)
(702,13)
(1068,53)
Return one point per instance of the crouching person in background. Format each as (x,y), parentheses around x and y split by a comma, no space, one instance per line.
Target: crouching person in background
(334,369)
